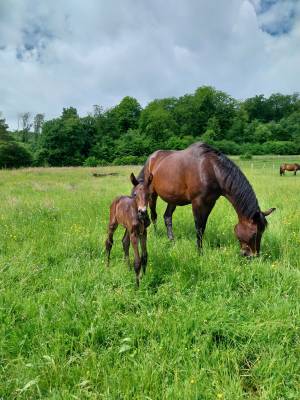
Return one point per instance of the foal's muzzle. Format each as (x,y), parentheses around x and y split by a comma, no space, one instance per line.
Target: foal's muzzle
(142,213)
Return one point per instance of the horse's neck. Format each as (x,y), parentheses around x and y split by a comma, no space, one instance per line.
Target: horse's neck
(236,188)
(239,214)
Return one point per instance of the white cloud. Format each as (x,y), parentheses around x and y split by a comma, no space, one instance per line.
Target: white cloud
(84,53)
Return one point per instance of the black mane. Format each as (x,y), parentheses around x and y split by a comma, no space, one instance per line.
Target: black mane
(233,182)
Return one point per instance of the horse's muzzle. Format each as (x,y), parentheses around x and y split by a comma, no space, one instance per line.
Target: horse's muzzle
(248,254)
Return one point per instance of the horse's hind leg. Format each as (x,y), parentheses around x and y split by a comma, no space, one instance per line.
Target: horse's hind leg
(144,257)
(137,260)
(126,244)
(109,241)
(168,220)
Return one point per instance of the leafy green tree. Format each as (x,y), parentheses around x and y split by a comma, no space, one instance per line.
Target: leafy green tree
(26,126)
(38,123)
(12,154)
(157,121)
(133,143)
(213,130)
(281,106)
(184,114)
(4,135)
(63,140)
(127,114)
(290,127)
(236,132)
(257,108)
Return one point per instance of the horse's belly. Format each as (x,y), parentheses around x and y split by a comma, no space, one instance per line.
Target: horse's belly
(171,199)
(173,196)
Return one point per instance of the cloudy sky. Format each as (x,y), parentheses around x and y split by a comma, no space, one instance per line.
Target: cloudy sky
(56,53)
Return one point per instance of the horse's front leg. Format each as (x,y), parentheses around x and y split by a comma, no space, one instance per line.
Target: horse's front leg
(201,211)
(152,206)
(144,259)
(137,260)
(168,220)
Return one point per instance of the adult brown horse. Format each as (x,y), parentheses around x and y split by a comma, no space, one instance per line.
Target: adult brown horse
(199,175)
(289,167)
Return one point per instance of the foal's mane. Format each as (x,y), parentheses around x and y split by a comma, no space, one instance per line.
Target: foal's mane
(233,182)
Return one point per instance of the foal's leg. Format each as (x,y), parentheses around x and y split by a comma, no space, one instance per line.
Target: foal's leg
(144,258)
(201,211)
(126,244)
(168,220)
(109,241)
(137,260)
(152,206)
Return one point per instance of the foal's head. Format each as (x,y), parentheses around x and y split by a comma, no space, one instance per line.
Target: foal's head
(249,232)
(140,193)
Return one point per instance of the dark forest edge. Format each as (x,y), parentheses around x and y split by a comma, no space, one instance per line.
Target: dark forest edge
(127,133)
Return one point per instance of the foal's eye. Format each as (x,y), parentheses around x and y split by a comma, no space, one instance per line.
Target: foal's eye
(134,194)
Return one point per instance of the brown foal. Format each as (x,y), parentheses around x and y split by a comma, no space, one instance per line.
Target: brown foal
(131,212)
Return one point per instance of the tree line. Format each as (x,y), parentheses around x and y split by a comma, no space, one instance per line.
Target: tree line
(128,133)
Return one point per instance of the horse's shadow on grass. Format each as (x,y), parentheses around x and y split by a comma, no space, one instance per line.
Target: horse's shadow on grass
(212,238)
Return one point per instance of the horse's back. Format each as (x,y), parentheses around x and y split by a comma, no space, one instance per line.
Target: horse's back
(289,167)
(182,175)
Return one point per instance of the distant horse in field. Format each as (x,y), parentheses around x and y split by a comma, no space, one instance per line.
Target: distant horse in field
(289,167)
(199,175)
(131,212)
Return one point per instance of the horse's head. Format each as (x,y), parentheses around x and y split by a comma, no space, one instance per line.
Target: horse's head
(249,232)
(141,192)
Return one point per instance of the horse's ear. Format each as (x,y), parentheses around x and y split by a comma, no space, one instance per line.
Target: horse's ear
(268,212)
(150,179)
(133,179)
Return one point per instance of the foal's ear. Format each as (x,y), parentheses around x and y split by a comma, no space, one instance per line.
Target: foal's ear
(268,212)
(150,179)
(133,179)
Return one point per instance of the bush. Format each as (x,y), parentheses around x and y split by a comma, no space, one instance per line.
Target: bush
(227,147)
(91,162)
(246,156)
(252,148)
(281,147)
(130,160)
(14,155)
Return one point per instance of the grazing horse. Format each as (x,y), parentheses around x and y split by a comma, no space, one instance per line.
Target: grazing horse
(131,212)
(289,167)
(199,175)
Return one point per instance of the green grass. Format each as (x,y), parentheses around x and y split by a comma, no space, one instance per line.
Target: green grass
(214,326)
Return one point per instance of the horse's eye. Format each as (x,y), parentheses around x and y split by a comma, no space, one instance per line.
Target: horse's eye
(134,194)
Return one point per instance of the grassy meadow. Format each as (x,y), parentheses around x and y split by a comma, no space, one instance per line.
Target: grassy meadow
(210,326)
